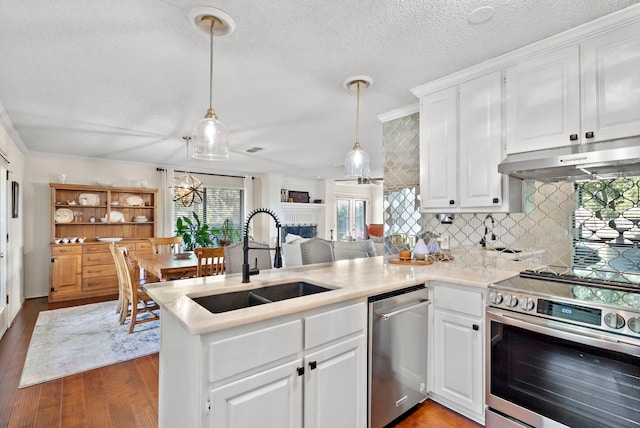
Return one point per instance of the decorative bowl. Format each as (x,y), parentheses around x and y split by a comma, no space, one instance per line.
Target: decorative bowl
(182,256)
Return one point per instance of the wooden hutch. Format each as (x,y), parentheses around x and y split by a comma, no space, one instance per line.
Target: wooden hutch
(99,214)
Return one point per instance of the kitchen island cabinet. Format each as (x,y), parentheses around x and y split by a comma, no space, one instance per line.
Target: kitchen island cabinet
(458,349)
(307,369)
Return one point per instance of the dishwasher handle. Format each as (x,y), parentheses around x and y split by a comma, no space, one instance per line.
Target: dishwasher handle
(388,315)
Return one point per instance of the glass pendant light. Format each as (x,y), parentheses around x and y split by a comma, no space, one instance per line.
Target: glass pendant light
(356,163)
(211,137)
(187,189)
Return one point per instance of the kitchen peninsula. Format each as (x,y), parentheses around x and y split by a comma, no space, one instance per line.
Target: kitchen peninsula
(271,364)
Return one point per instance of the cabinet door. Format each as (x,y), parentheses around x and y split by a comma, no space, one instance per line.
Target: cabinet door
(481,141)
(543,101)
(439,149)
(335,391)
(611,85)
(458,360)
(66,273)
(272,398)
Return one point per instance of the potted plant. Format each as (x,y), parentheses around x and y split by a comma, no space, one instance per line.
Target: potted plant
(228,233)
(194,233)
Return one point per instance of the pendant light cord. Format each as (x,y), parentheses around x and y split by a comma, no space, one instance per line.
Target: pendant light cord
(358,114)
(213,21)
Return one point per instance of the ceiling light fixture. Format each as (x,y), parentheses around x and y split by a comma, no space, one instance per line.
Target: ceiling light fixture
(187,189)
(211,137)
(356,163)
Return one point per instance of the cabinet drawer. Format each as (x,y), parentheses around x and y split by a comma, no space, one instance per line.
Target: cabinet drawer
(454,299)
(90,249)
(98,271)
(97,259)
(100,283)
(331,325)
(63,250)
(253,349)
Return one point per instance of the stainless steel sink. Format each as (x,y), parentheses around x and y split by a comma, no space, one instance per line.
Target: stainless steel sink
(226,302)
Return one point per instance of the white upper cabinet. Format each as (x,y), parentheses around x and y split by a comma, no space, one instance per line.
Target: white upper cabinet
(611,85)
(439,149)
(543,101)
(480,148)
(582,93)
(461,147)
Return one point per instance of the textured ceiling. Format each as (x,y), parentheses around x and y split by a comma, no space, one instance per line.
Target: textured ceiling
(125,80)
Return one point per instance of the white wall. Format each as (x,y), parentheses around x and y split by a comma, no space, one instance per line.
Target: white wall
(40,171)
(15,246)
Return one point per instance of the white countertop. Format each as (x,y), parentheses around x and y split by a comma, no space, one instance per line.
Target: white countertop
(352,279)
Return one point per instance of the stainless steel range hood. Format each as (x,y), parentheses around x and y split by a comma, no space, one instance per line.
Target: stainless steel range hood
(580,161)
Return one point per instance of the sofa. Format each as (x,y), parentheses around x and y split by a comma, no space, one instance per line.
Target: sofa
(342,250)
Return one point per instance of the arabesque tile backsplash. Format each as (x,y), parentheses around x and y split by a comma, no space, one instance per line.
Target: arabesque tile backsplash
(576,226)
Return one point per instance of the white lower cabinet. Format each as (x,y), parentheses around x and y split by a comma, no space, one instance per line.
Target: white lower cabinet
(302,370)
(458,349)
(272,398)
(333,392)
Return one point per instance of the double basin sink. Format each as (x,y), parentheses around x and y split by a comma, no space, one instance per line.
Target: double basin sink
(226,302)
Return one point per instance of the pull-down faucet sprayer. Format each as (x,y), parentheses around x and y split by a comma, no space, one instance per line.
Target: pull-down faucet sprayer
(277,260)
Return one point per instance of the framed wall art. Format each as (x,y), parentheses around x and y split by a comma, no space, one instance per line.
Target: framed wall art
(15,199)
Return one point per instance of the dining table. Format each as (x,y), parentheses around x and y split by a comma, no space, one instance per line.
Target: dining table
(168,266)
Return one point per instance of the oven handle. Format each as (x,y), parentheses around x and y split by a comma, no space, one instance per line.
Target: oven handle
(573,333)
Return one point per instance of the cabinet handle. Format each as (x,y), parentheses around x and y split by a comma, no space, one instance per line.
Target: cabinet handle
(573,137)
(589,134)
(476,327)
(495,200)
(312,365)
(451,202)
(300,370)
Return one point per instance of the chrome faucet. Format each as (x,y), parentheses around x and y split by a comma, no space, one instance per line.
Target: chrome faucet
(483,241)
(277,260)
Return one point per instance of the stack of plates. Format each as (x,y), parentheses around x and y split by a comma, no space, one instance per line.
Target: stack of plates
(140,218)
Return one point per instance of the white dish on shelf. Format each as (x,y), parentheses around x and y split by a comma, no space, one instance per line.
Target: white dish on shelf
(91,199)
(111,239)
(134,201)
(63,215)
(115,203)
(104,183)
(116,217)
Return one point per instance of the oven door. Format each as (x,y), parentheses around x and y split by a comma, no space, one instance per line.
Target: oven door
(545,373)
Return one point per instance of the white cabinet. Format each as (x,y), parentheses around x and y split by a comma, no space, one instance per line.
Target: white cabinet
(268,372)
(272,398)
(457,349)
(439,149)
(580,93)
(611,84)
(461,147)
(542,101)
(333,392)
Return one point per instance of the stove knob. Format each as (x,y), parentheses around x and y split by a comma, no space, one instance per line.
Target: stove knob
(527,304)
(614,320)
(511,300)
(634,324)
(495,298)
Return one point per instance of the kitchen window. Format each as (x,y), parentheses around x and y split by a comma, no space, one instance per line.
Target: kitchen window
(218,204)
(351,218)
(606,225)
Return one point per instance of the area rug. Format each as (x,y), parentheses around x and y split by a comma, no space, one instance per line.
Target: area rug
(73,340)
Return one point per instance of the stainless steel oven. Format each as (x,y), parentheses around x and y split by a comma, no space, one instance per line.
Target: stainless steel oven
(562,353)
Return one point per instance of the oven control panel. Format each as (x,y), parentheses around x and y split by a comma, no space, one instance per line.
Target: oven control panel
(625,322)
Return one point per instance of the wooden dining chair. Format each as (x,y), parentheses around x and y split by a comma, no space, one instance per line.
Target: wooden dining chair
(133,299)
(210,261)
(169,245)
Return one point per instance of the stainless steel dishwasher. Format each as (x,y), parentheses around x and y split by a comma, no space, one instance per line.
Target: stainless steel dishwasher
(397,353)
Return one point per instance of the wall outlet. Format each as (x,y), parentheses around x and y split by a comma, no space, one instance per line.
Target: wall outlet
(444,242)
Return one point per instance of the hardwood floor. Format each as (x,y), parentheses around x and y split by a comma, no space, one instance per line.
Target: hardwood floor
(120,395)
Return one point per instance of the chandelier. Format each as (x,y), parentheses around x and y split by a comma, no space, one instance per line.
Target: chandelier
(187,189)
